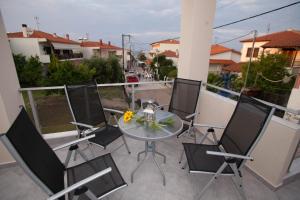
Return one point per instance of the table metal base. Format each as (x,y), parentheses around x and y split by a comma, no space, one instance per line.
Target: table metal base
(151,148)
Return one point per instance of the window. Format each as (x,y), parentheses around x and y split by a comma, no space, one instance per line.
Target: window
(249,51)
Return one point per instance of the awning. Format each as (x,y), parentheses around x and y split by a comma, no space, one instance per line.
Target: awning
(65,46)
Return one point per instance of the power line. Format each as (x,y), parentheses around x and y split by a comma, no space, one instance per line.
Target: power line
(257,15)
(241,36)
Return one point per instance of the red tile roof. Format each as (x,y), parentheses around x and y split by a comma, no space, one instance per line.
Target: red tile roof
(235,67)
(168,41)
(97,44)
(216,49)
(288,39)
(41,34)
(221,61)
(168,53)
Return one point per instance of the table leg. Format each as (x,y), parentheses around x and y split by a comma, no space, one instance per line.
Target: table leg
(153,157)
(150,148)
(138,155)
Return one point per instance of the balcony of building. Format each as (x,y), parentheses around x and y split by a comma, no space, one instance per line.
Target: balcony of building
(274,173)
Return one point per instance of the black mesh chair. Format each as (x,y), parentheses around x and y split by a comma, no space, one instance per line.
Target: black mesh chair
(247,124)
(92,179)
(88,113)
(184,101)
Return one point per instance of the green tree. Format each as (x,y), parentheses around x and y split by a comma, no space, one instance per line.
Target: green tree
(272,67)
(142,57)
(29,71)
(65,72)
(164,66)
(107,70)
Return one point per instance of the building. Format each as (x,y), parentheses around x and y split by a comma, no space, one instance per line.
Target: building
(99,49)
(170,45)
(222,57)
(287,42)
(172,55)
(31,42)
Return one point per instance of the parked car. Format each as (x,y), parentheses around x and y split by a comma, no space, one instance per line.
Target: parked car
(132,79)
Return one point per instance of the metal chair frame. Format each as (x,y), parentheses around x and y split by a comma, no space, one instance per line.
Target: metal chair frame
(230,159)
(90,128)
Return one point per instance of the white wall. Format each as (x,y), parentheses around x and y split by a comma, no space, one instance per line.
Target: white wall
(197,17)
(26,46)
(10,97)
(247,45)
(227,56)
(29,47)
(215,68)
(87,52)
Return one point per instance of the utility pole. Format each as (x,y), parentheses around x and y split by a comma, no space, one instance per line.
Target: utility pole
(123,50)
(250,60)
(37,23)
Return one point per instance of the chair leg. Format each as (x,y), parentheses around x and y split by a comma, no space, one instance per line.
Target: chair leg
(68,157)
(90,195)
(82,154)
(223,166)
(91,147)
(75,156)
(238,181)
(203,138)
(181,156)
(75,197)
(124,140)
(184,165)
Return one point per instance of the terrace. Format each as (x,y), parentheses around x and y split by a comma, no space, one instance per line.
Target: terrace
(274,173)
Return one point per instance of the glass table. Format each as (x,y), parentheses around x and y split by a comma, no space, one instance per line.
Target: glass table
(150,136)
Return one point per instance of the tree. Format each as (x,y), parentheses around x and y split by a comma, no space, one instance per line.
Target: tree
(164,66)
(272,67)
(107,70)
(142,57)
(29,71)
(65,72)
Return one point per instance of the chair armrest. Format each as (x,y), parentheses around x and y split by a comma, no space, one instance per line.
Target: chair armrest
(191,115)
(82,124)
(79,184)
(210,126)
(230,155)
(162,106)
(113,110)
(73,142)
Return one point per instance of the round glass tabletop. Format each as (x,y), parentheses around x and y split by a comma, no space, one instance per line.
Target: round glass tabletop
(143,132)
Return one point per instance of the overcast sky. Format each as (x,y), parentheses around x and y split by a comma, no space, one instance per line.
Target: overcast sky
(145,20)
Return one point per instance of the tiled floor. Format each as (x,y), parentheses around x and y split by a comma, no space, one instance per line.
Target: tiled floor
(181,185)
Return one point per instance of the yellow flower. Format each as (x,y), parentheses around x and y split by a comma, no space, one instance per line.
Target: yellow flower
(128,116)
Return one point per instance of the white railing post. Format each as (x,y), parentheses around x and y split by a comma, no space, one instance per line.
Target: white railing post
(34,111)
(132,97)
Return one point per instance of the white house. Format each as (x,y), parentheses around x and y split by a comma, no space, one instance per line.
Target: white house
(103,50)
(164,45)
(221,58)
(38,43)
(287,42)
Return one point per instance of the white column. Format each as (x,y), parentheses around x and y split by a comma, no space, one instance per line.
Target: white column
(197,17)
(10,98)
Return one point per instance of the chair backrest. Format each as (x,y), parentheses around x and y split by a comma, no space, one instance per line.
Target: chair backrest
(33,154)
(85,104)
(184,97)
(245,126)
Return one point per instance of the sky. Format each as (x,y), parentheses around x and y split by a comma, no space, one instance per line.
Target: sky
(145,20)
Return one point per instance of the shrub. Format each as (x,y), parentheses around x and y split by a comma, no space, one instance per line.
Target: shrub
(29,70)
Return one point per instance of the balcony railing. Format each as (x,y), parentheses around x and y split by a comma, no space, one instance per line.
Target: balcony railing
(51,114)
(69,56)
